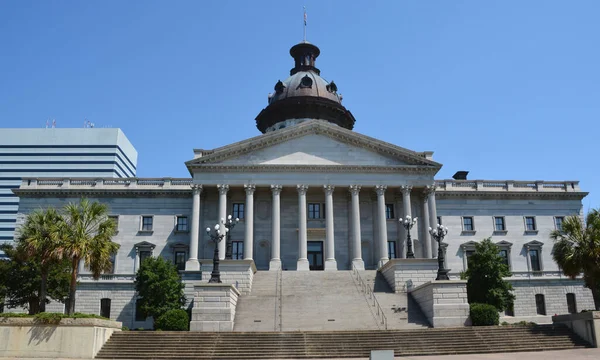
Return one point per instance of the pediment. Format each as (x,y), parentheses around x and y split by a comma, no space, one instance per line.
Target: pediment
(313,143)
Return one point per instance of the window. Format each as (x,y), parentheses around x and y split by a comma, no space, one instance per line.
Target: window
(237,251)
(144,254)
(147,222)
(571,304)
(139,314)
(534,256)
(530,223)
(558,221)
(499,224)
(113,262)
(314,211)
(540,304)
(389,211)
(504,256)
(510,310)
(115,219)
(180,260)
(238,211)
(392,250)
(468,254)
(468,223)
(439,220)
(105,308)
(182,223)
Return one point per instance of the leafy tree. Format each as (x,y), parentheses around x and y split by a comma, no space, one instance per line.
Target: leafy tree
(20,279)
(38,237)
(85,234)
(159,287)
(577,250)
(485,283)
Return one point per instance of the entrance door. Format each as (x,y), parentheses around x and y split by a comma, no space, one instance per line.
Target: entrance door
(315,255)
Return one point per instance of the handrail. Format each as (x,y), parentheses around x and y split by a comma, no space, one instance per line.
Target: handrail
(280,300)
(367,290)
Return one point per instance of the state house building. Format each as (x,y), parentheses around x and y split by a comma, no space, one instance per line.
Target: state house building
(312,194)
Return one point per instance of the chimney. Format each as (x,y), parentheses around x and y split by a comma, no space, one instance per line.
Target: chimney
(460,175)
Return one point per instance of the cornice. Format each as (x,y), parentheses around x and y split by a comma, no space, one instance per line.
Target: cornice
(316,168)
(97,193)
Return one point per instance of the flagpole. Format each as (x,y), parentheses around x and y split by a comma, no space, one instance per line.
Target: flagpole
(305,24)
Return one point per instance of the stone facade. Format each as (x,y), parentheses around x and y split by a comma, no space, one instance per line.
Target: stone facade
(444,303)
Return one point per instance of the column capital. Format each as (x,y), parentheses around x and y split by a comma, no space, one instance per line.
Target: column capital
(196,189)
(302,189)
(380,189)
(223,189)
(276,189)
(429,189)
(354,189)
(328,189)
(249,188)
(406,189)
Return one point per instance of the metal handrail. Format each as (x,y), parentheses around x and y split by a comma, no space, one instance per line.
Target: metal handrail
(367,290)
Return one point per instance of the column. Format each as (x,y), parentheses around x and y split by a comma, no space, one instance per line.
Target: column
(192,264)
(383,252)
(302,264)
(249,220)
(357,261)
(432,214)
(425,228)
(406,189)
(223,189)
(330,263)
(275,263)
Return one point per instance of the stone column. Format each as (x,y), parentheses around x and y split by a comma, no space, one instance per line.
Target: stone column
(223,189)
(425,228)
(357,261)
(432,215)
(192,264)
(406,189)
(275,263)
(383,252)
(330,263)
(302,264)
(249,220)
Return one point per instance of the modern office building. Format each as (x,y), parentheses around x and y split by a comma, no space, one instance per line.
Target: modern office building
(58,153)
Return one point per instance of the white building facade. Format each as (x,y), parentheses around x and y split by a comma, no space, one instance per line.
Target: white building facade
(311,195)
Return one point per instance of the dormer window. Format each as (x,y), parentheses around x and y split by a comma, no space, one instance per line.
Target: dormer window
(306,82)
(279,87)
(331,87)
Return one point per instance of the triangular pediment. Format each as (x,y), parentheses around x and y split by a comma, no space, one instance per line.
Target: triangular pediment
(313,143)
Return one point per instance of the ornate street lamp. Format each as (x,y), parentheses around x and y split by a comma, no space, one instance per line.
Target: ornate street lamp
(216,236)
(230,224)
(408,223)
(438,234)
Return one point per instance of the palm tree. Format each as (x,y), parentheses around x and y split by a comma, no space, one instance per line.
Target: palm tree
(577,250)
(37,238)
(86,234)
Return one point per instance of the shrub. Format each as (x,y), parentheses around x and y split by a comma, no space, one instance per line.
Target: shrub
(484,315)
(173,320)
(52,318)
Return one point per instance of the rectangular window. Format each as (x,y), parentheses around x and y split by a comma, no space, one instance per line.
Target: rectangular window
(105,308)
(314,211)
(147,222)
(389,211)
(182,223)
(504,255)
(468,223)
(139,314)
(238,211)
(144,254)
(392,249)
(540,304)
(534,257)
(571,304)
(530,223)
(237,252)
(468,254)
(499,223)
(180,260)
(558,221)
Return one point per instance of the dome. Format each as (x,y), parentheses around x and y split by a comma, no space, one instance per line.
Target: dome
(304,95)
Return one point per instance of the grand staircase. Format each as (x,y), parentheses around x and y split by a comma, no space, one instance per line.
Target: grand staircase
(336,344)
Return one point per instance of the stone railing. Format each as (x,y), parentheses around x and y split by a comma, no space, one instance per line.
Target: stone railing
(106,183)
(84,278)
(525,275)
(507,185)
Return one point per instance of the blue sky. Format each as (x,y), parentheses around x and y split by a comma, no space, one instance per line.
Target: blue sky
(503,89)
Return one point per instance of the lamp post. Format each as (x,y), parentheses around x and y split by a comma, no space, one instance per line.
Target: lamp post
(216,236)
(438,234)
(230,224)
(408,223)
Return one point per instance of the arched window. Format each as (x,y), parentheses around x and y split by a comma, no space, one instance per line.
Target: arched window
(571,303)
(105,308)
(540,304)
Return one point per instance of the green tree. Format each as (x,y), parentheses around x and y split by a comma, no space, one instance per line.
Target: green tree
(485,283)
(86,235)
(159,287)
(38,237)
(577,250)
(20,279)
